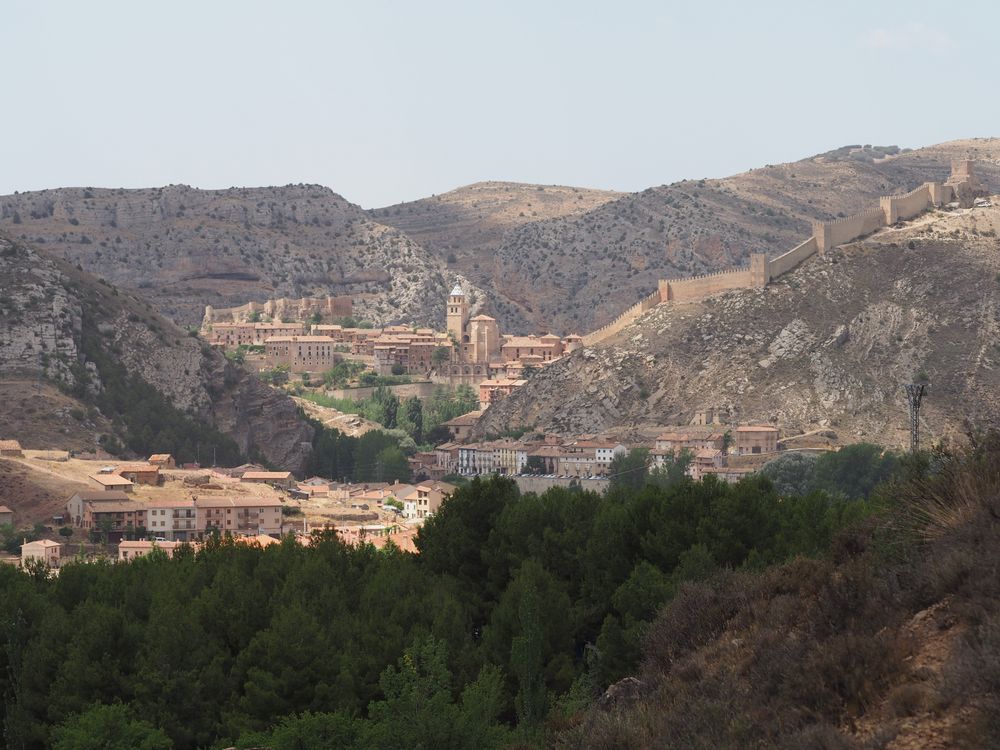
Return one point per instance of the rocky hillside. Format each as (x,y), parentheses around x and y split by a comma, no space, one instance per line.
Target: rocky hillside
(58,324)
(826,346)
(574,271)
(467,225)
(183,248)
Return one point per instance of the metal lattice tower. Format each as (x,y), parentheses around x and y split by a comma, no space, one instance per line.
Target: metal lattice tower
(914,395)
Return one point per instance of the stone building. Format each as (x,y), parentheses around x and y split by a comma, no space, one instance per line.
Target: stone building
(300,353)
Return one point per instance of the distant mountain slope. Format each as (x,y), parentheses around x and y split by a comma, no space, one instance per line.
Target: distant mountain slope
(576,271)
(62,328)
(825,346)
(186,248)
(466,225)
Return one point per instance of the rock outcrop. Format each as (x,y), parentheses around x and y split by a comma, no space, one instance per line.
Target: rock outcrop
(184,248)
(54,316)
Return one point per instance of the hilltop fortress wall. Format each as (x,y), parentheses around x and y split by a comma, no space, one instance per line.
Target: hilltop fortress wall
(629,316)
(328,308)
(962,185)
(695,288)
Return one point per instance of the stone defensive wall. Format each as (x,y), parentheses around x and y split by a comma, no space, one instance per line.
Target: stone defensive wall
(329,308)
(696,288)
(897,207)
(963,185)
(829,234)
(788,261)
(629,316)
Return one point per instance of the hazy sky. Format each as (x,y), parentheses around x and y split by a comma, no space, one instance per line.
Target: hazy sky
(391,101)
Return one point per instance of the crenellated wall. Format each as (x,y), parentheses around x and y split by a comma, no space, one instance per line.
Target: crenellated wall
(906,206)
(832,233)
(627,317)
(697,288)
(963,185)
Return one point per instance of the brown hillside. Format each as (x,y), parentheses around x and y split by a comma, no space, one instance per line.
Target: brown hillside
(826,346)
(575,272)
(184,248)
(469,223)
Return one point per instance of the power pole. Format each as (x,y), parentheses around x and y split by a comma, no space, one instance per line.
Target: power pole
(914,395)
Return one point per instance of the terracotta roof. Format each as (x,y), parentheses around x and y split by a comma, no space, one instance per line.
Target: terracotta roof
(464,420)
(299,340)
(111,480)
(267,475)
(44,542)
(160,457)
(9,445)
(100,496)
(170,502)
(756,428)
(137,467)
(5,509)
(237,502)
(115,506)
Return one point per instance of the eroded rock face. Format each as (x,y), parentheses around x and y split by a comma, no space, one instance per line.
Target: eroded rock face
(47,309)
(183,248)
(830,344)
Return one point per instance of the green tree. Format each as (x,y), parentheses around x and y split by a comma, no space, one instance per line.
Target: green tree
(108,727)
(855,470)
(629,470)
(526,654)
(440,356)
(791,473)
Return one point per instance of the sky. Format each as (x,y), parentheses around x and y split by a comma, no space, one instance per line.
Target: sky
(391,101)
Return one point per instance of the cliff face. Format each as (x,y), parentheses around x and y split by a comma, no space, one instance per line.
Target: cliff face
(183,248)
(574,270)
(55,319)
(827,346)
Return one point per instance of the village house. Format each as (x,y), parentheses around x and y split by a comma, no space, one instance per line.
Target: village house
(163,460)
(675,442)
(752,439)
(491,391)
(6,516)
(300,353)
(425,500)
(173,520)
(75,505)
(547,457)
(131,550)
(139,473)
(425,464)
(11,449)
(239,516)
(509,456)
(461,426)
(273,478)
(476,459)
(110,482)
(116,518)
(45,551)
(234,335)
(447,457)
(705,461)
